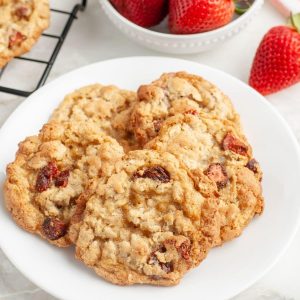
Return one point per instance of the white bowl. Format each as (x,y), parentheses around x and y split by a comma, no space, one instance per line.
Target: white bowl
(180,44)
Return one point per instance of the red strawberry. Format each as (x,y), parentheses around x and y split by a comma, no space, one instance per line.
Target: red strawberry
(145,13)
(277,62)
(193,16)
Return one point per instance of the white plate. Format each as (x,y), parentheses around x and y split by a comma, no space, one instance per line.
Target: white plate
(229,269)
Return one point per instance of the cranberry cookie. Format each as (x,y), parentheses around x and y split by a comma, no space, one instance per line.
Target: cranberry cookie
(176,93)
(21,24)
(109,106)
(219,150)
(147,223)
(50,172)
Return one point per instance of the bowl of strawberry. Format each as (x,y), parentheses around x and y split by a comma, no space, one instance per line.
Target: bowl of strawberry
(181,26)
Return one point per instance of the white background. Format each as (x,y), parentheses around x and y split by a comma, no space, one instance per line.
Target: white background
(93,38)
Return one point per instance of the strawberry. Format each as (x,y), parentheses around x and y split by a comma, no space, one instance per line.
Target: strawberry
(277,61)
(145,13)
(194,16)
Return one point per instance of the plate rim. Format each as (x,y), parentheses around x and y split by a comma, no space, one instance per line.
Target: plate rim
(283,123)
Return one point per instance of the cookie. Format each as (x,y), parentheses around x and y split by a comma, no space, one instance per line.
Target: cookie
(176,93)
(50,172)
(147,223)
(109,106)
(21,24)
(218,149)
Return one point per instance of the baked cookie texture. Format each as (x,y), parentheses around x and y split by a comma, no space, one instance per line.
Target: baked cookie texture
(147,223)
(50,172)
(108,106)
(218,149)
(21,24)
(144,184)
(176,93)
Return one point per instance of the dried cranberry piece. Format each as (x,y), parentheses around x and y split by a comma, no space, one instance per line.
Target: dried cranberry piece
(235,145)
(192,112)
(44,177)
(42,183)
(52,169)
(162,249)
(16,39)
(157,124)
(62,179)
(54,228)
(155,173)
(167,267)
(22,12)
(185,249)
(217,173)
(252,165)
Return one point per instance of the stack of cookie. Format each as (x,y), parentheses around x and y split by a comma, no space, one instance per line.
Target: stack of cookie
(144,184)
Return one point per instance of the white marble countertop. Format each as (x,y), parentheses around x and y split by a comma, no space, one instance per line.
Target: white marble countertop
(93,38)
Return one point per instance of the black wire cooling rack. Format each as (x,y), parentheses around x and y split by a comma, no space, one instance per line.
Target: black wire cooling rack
(72,15)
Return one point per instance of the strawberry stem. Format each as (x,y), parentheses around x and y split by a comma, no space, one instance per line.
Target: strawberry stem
(295,20)
(241,6)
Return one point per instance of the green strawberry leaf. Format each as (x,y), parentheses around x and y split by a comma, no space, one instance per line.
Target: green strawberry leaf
(295,20)
(241,6)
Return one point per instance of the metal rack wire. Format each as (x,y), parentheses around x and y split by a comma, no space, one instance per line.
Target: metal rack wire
(48,63)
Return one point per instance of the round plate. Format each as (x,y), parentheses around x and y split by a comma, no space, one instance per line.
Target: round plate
(228,269)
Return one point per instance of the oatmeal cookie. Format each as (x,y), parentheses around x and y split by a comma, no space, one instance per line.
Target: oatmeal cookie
(51,170)
(220,151)
(176,93)
(109,106)
(21,24)
(147,223)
